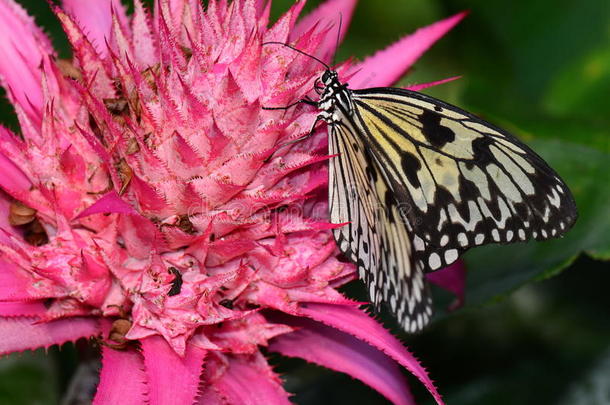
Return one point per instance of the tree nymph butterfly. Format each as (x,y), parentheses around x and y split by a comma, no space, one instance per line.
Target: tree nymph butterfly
(418,182)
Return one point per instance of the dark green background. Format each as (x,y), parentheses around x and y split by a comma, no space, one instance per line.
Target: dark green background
(540,69)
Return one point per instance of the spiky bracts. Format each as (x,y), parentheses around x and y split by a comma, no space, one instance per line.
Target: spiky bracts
(148,200)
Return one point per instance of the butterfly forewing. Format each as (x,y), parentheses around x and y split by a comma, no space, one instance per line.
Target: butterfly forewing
(460,181)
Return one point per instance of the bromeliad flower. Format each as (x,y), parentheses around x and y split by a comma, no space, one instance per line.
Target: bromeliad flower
(143,204)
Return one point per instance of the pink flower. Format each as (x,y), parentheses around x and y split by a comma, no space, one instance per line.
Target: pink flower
(139,206)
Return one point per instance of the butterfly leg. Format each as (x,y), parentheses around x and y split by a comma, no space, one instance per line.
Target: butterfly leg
(305,100)
(319,118)
(299,139)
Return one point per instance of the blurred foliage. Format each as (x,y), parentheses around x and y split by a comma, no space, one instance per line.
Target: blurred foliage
(593,389)
(27,379)
(541,70)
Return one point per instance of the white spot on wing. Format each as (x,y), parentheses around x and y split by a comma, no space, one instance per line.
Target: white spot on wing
(517,173)
(372,291)
(504,211)
(547,212)
(523,163)
(442,220)
(477,176)
(456,218)
(417,295)
(462,239)
(480,128)
(451,255)
(554,199)
(434,261)
(504,183)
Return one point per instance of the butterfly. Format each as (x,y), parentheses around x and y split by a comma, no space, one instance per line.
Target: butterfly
(417,182)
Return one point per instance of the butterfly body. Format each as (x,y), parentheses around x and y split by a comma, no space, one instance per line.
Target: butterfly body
(417,182)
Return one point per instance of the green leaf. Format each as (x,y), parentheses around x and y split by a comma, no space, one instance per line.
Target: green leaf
(589,132)
(495,270)
(582,88)
(594,389)
(516,48)
(27,379)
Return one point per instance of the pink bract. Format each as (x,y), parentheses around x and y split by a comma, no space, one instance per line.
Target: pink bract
(138,205)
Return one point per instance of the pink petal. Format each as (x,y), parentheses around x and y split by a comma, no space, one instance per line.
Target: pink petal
(250,381)
(22,48)
(283,26)
(122,378)
(333,12)
(357,323)
(328,347)
(143,42)
(13,282)
(387,66)
(246,70)
(211,397)
(109,203)
(95,19)
(171,379)
(5,227)
(19,309)
(421,86)
(13,180)
(18,334)
(452,279)
(94,69)
(263,8)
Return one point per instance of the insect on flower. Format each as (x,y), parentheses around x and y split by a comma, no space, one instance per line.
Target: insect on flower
(417,182)
(140,209)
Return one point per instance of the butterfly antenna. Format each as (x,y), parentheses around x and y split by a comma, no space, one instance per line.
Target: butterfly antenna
(338,37)
(299,51)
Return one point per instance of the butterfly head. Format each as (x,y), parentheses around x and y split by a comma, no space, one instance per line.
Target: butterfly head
(333,93)
(329,77)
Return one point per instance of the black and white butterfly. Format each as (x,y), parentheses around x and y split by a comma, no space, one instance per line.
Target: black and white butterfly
(419,181)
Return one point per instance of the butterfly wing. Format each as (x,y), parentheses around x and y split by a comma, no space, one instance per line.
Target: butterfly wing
(374,235)
(460,181)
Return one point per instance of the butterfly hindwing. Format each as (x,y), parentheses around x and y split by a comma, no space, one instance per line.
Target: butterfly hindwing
(460,181)
(375,237)
(351,202)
